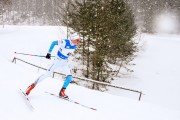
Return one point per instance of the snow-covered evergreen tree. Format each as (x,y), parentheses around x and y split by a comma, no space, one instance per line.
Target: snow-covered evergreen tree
(107,27)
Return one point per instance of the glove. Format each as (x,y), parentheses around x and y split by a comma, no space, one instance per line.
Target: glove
(48,56)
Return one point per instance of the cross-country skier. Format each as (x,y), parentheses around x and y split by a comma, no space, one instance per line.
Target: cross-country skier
(66,48)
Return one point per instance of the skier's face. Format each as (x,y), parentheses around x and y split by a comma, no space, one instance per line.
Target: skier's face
(76,41)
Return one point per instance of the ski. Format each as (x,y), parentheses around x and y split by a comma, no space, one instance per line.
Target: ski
(70,100)
(27,99)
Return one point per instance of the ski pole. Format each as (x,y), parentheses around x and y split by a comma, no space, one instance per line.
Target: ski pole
(31,54)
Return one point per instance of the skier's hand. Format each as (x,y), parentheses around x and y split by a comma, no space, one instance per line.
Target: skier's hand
(48,56)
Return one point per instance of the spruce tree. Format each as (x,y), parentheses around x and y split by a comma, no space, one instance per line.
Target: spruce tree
(107,27)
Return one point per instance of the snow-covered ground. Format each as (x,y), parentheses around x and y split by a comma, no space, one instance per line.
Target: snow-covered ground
(156,74)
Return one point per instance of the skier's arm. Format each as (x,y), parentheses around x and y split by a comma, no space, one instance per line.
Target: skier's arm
(52,46)
(48,56)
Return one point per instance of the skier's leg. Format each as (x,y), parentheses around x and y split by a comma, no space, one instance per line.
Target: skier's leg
(67,71)
(42,77)
(68,79)
(48,72)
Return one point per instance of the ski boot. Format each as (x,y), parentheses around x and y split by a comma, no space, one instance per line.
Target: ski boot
(62,93)
(28,90)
